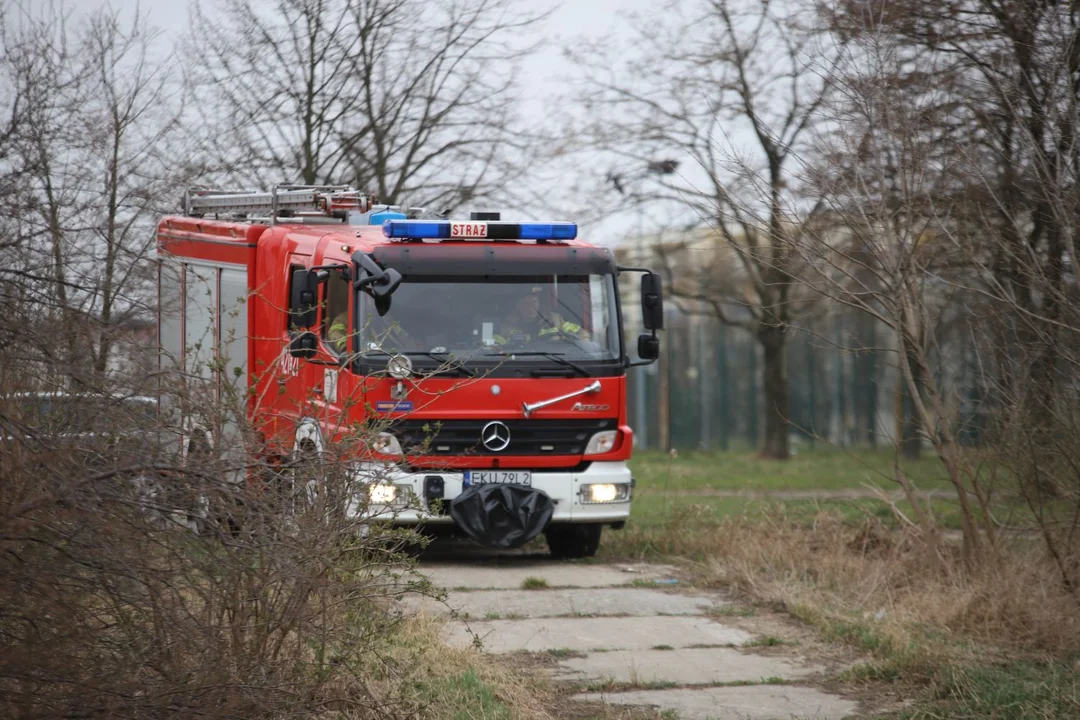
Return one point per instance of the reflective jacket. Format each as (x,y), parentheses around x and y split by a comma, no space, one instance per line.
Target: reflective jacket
(338,333)
(510,330)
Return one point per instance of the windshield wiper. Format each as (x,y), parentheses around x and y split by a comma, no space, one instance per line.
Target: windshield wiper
(451,363)
(557,357)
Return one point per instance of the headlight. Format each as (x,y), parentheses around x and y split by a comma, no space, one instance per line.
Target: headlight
(387,494)
(605,492)
(382,494)
(602,442)
(386,444)
(399,367)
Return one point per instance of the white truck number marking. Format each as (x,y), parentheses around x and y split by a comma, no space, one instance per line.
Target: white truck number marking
(330,385)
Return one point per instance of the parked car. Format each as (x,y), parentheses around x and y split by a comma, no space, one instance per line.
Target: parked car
(97,425)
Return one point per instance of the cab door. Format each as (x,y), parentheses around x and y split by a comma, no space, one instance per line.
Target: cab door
(289,378)
(334,382)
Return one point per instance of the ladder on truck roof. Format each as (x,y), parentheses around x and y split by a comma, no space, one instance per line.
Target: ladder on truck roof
(303,203)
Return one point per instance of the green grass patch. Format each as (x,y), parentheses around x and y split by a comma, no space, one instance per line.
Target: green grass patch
(672,501)
(534,583)
(613,685)
(731,611)
(654,508)
(1014,691)
(472,698)
(907,655)
(871,672)
(956,690)
(766,641)
(818,468)
(662,647)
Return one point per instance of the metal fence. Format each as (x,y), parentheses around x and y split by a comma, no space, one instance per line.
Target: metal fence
(706,390)
(843,382)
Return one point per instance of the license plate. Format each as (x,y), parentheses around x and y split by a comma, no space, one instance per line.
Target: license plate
(507,477)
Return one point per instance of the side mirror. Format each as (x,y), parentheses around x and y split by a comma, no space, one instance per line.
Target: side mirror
(379,281)
(382,304)
(387,284)
(303,344)
(304,299)
(652,302)
(648,347)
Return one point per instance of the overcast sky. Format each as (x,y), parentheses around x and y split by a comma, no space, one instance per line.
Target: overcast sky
(543,74)
(569,19)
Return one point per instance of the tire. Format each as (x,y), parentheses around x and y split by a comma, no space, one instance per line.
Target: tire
(573,541)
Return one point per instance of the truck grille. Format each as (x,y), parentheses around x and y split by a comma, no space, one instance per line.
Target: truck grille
(527,437)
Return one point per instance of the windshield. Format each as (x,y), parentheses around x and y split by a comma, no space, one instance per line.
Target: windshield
(468,318)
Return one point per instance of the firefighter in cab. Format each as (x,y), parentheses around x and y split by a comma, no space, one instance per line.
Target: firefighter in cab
(525,322)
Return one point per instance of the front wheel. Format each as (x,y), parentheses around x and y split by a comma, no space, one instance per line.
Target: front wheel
(573,541)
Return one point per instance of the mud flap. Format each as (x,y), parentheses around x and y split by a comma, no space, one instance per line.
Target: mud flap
(502,516)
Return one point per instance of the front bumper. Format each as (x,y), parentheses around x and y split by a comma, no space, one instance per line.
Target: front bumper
(563,487)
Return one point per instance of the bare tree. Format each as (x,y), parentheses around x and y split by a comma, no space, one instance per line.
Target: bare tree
(875,251)
(712,79)
(411,100)
(89,168)
(948,206)
(1013,105)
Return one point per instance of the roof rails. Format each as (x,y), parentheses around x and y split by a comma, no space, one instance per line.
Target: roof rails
(302,203)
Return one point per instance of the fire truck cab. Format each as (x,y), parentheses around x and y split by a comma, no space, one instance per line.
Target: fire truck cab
(490,356)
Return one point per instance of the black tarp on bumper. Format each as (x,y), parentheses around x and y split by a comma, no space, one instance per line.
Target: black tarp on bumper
(502,516)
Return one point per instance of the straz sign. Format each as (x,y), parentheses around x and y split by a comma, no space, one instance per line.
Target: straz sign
(469,230)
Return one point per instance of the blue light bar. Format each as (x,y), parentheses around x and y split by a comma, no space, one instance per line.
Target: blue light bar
(477,230)
(548,231)
(417,230)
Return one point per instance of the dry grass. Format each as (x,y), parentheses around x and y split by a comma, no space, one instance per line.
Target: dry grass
(466,684)
(1001,642)
(863,572)
(866,574)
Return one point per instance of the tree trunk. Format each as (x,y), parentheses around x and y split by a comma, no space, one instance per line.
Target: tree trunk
(907,419)
(774,343)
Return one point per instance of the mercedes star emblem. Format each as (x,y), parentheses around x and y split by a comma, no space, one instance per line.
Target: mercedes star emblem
(495,436)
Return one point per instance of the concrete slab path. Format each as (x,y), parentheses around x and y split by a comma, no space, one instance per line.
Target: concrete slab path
(752,702)
(692,666)
(515,604)
(599,633)
(510,575)
(646,644)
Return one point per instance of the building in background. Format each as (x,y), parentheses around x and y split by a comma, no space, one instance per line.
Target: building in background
(706,390)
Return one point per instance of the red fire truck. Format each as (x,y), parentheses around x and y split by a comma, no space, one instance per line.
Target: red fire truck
(491,353)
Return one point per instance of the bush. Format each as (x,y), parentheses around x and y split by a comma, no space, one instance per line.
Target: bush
(137,584)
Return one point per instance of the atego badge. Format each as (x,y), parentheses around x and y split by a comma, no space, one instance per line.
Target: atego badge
(582,407)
